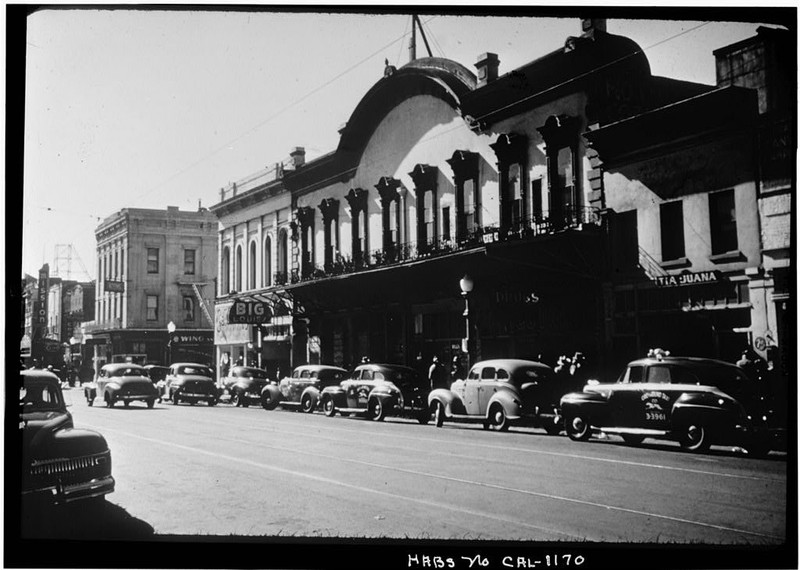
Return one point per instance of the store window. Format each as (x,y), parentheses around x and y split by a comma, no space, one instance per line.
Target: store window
(152,260)
(672,241)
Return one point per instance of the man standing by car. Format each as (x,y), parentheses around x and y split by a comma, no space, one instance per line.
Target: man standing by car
(437,375)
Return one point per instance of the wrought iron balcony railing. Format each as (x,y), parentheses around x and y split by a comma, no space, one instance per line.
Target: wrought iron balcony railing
(547,223)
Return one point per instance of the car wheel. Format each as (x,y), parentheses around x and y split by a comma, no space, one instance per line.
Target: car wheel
(307,404)
(578,428)
(243,400)
(175,399)
(437,413)
(695,438)
(89,400)
(212,402)
(127,403)
(497,418)
(329,407)
(151,402)
(424,417)
(632,438)
(377,411)
(109,401)
(236,399)
(268,402)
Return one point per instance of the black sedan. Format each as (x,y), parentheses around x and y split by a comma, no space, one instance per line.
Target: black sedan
(302,389)
(695,401)
(243,385)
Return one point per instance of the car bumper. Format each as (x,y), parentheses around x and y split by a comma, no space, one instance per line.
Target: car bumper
(62,494)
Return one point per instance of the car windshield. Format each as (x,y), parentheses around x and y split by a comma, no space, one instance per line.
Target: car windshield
(406,378)
(38,396)
(195,371)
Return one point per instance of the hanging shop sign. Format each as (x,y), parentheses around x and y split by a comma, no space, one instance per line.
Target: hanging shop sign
(683,279)
(250,313)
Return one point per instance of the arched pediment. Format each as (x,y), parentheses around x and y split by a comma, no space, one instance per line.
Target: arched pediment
(438,77)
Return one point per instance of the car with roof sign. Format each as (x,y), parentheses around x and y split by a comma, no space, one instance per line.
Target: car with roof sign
(694,401)
(302,389)
(60,464)
(378,391)
(500,393)
(121,382)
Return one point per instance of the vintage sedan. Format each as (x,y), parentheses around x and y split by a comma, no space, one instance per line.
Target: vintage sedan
(191,383)
(243,385)
(500,393)
(60,464)
(303,388)
(695,401)
(121,382)
(378,391)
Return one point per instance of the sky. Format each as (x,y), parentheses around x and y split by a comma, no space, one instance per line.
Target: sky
(149,109)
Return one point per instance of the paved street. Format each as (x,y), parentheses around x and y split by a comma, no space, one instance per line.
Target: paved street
(194,470)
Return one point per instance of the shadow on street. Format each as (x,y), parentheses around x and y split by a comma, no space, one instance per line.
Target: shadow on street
(91,520)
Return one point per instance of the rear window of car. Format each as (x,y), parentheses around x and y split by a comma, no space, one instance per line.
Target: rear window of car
(127,372)
(195,371)
(40,396)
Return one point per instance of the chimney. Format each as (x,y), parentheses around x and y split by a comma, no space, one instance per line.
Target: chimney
(298,157)
(487,66)
(590,25)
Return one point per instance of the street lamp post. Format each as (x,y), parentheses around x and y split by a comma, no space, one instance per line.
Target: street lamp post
(170,329)
(466,285)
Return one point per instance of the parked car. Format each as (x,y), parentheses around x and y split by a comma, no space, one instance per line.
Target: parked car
(695,401)
(192,383)
(378,391)
(121,382)
(303,388)
(500,393)
(244,384)
(60,464)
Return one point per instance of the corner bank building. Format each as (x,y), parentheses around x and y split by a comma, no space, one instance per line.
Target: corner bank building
(476,211)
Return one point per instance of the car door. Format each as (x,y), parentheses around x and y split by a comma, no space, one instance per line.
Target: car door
(625,399)
(472,388)
(491,381)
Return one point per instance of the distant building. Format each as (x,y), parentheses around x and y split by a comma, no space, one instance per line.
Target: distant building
(154,268)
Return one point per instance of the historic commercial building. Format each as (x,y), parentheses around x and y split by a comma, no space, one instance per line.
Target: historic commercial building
(575,203)
(155,284)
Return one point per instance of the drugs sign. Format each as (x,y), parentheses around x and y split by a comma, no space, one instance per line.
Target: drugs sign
(249,313)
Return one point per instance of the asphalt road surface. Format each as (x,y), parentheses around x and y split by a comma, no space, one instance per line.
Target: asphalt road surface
(223,471)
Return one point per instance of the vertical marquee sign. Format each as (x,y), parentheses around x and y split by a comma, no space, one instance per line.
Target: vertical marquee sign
(39,324)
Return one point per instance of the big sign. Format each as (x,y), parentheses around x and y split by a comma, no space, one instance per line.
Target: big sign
(249,312)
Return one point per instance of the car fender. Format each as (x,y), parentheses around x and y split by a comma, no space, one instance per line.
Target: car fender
(338,395)
(589,404)
(709,408)
(111,388)
(311,391)
(451,402)
(273,392)
(511,405)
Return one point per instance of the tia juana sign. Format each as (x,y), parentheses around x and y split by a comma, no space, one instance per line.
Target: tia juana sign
(689,279)
(249,313)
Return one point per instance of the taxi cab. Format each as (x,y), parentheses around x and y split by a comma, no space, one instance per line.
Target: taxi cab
(694,401)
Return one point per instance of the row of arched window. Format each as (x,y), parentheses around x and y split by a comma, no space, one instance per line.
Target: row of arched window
(240,273)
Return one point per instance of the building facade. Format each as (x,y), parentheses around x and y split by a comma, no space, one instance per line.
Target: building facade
(578,203)
(155,285)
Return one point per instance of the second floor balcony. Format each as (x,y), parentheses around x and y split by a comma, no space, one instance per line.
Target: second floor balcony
(520,229)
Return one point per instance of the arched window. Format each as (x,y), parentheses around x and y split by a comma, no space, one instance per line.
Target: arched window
(237,270)
(267,263)
(283,257)
(225,278)
(251,263)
